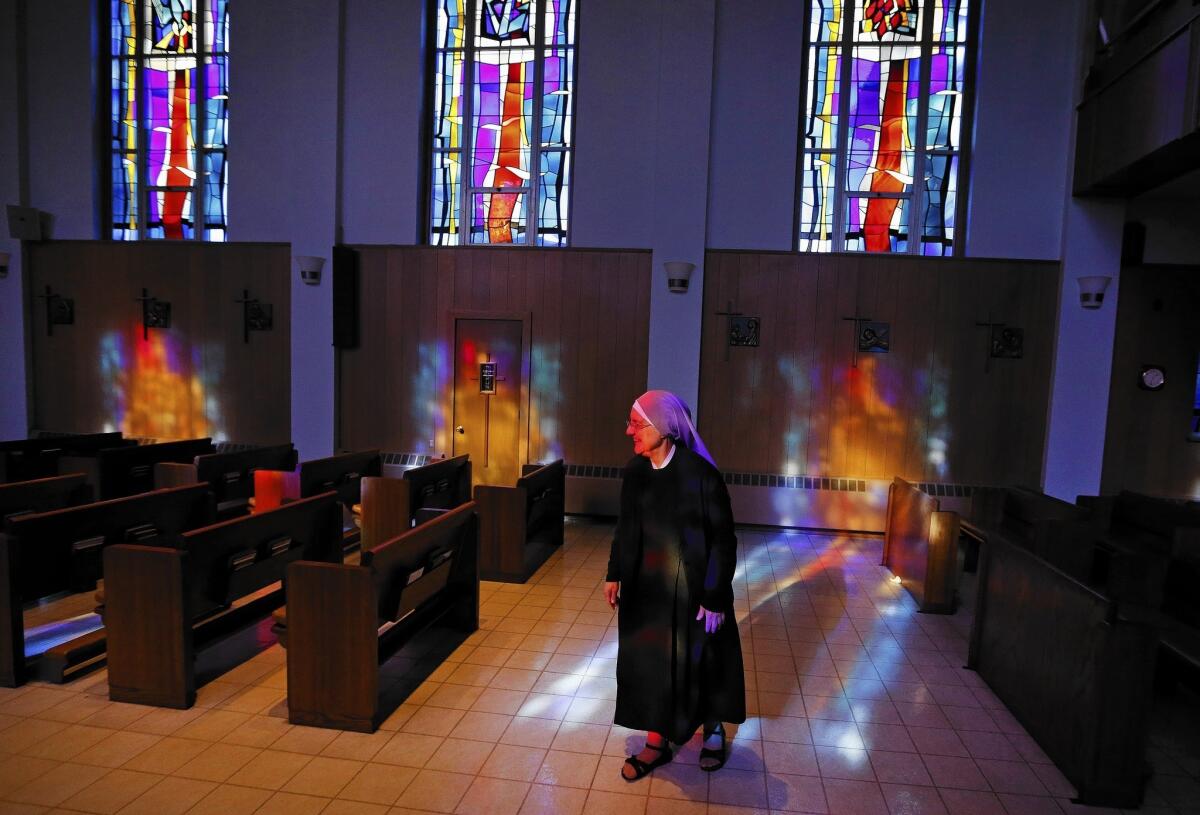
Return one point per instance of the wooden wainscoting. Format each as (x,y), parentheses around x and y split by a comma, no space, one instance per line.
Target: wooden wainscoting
(589,314)
(198,378)
(935,408)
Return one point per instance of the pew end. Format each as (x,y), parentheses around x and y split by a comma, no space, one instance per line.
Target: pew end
(343,621)
(920,546)
(521,526)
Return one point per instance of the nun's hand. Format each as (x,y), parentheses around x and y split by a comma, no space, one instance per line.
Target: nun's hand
(612,590)
(712,619)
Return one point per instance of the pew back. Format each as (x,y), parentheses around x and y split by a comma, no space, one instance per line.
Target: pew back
(341,473)
(43,495)
(343,621)
(123,471)
(61,550)
(409,569)
(230,476)
(439,486)
(235,558)
(27,459)
(162,603)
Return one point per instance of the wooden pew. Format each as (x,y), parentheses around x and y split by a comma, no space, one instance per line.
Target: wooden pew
(520,526)
(27,459)
(391,506)
(1045,525)
(116,472)
(60,551)
(1070,666)
(43,495)
(162,603)
(1146,552)
(920,546)
(1134,539)
(230,476)
(342,473)
(343,621)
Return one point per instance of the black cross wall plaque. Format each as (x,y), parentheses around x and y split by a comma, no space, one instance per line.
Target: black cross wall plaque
(857,322)
(989,325)
(487,410)
(256,316)
(728,314)
(59,310)
(155,313)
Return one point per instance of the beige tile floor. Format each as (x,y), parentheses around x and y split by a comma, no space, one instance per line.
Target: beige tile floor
(856,704)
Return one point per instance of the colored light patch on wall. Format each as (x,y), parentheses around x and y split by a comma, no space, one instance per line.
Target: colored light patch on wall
(157,387)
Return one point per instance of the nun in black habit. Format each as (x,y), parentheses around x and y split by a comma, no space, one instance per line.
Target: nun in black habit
(679,659)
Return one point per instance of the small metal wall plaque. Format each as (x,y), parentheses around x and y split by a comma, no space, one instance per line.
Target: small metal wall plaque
(259,316)
(487,377)
(60,310)
(874,338)
(743,331)
(158,314)
(1008,342)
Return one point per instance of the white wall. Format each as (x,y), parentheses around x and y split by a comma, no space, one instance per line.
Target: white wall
(643,118)
(755,125)
(282,165)
(382,171)
(1022,146)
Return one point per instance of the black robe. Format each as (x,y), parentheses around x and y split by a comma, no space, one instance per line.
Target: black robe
(674,550)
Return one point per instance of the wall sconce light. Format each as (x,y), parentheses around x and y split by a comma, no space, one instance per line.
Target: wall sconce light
(679,272)
(1091,290)
(310,268)
(4,258)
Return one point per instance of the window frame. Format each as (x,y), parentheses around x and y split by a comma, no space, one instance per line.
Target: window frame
(531,190)
(917,197)
(200,124)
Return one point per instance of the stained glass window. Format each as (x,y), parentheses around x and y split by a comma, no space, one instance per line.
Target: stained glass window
(883,125)
(169,119)
(503,122)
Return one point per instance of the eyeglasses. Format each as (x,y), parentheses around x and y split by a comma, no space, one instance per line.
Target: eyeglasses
(635,427)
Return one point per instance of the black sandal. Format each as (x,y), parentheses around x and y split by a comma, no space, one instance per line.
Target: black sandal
(718,755)
(643,768)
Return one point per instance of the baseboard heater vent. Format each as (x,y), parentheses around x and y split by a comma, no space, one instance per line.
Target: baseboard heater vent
(405,459)
(940,490)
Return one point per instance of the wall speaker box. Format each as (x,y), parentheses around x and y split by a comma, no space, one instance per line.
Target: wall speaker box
(24,223)
(345,297)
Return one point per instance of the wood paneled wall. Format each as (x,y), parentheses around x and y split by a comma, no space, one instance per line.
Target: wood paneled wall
(589,323)
(197,378)
(935,408)
(1146,445)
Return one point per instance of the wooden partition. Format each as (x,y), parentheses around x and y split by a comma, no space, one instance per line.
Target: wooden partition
(205,375)
(588,314)
(1147,445)
(935,408)
(1072,670)
(920,546)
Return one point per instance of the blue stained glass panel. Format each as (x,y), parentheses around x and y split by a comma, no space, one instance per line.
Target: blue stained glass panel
(553,198)
(556,99)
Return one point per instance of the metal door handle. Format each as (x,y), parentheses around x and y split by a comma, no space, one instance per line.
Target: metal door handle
(460,430)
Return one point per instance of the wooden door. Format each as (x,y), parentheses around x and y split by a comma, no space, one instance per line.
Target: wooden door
(487,398)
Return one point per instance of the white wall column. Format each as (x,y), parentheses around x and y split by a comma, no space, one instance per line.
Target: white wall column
(1083,355)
